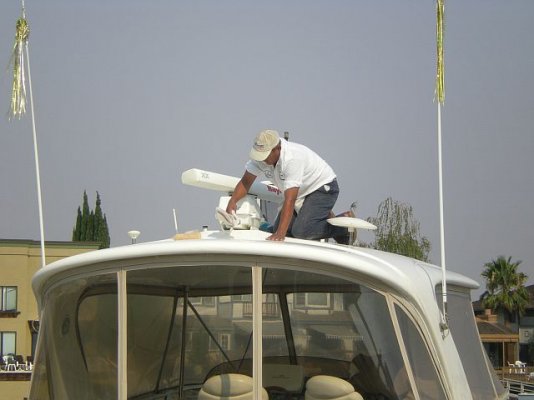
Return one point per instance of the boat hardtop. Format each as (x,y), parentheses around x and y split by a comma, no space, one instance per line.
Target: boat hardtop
(399,273)
(228,315)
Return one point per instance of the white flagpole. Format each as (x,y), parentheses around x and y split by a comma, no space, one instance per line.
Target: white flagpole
(440,96)
(441,223)
(36,153)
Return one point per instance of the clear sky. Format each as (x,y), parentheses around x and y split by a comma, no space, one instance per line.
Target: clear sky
(129,94)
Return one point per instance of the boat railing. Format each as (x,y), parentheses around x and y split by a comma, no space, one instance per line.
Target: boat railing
(516,387)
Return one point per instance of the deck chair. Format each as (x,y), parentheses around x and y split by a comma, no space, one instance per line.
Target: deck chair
(324,387)
(229,387)
(520,367)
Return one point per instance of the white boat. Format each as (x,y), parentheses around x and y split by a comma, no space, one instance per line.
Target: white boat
(226,314)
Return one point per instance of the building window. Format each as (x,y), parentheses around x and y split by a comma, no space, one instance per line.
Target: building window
(189,341)
(224,339)
(8,343)
(208,301)
(241,298)
(8,298)
(202,301)
(312,300)
(224,342)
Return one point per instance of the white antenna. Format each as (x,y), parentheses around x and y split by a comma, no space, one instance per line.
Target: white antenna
(440,97)
(37,173)
(35,149)
(175,220)
(444,324)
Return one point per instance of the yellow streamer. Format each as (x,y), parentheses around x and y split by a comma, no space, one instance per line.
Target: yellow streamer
(440,74)
(18,93)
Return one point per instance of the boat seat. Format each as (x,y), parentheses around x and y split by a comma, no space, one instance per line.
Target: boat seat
(229,387)
(287,377)
(324,387)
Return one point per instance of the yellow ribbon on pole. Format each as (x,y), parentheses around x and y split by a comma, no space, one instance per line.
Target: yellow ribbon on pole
(440,74)
(18,93)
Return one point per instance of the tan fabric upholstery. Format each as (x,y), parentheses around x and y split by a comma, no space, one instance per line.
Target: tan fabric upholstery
(324,387)
(229,387)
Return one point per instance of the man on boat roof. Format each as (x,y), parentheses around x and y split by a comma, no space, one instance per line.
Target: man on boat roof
(309,184)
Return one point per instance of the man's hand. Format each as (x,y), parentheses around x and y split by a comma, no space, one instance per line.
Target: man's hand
(231,207)
(277,237)
(240,191)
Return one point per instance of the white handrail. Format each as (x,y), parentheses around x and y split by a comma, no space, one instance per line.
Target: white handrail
(122,339)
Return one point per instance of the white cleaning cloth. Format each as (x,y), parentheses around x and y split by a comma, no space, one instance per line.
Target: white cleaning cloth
(227,220)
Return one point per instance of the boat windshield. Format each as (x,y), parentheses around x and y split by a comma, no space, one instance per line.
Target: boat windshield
(481,376)
(187,324)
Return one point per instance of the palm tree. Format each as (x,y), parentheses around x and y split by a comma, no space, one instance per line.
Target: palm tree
(505,286)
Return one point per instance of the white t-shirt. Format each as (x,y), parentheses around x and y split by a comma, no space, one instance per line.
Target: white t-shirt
(298,166)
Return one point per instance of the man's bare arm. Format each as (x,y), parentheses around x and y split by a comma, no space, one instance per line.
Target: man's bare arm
(240,191)
(286,214)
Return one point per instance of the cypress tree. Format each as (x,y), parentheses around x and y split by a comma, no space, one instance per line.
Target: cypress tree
(98,218)
(89,231)
(91,226)
(103,234)
(85,218)
(77,228)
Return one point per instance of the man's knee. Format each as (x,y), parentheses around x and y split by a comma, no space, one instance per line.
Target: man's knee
(298,232)
(301,231)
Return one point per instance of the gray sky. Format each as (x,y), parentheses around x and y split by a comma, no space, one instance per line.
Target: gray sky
(129,94)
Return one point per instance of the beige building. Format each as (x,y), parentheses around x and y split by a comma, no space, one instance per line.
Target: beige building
(19,320)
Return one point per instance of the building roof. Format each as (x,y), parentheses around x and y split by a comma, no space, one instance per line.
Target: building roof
(493,328)
(495,332)
(48,243)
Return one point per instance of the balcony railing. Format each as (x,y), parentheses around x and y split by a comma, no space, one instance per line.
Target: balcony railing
(269,310)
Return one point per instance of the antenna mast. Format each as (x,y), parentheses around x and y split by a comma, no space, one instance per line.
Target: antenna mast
(440,97)
(18,104)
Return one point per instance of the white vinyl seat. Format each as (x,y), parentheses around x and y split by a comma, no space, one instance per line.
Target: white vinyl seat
(511,367)
(10,363)
(324,387)
(229,387)
(520,367)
